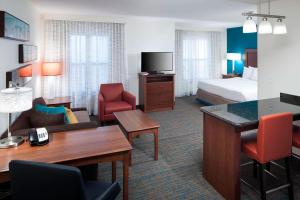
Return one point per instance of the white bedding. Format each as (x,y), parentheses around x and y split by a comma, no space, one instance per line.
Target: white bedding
(236,89)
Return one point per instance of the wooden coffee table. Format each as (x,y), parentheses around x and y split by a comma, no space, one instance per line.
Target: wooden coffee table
(135,123)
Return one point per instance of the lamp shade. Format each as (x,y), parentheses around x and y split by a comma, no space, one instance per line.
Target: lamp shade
(26,71)
(249,26)
(234,56)
(279,28)
(265,27)
(13,100)
(51,69)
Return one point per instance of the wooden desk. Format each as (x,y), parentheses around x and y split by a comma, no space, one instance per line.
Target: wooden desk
(223,125)
(75,148)
(135,123)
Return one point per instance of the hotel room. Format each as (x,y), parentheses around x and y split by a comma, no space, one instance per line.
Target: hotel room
(140,99)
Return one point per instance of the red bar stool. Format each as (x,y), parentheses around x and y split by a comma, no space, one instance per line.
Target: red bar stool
(273,142)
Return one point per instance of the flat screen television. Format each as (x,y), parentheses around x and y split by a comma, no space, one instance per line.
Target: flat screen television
(154,62)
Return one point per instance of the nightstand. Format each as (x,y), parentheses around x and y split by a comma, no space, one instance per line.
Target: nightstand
(59,101)
(225,76)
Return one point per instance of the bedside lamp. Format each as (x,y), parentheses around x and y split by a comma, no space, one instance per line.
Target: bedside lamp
(234,57)
(14,100)
(52,69)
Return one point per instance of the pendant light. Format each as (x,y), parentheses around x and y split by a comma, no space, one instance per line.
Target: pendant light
(249,26)
(279,28)
(265,27)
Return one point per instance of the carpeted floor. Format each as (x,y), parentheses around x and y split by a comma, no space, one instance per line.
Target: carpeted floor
(178,172)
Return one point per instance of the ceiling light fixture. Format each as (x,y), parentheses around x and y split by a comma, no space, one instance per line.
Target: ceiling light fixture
(279,28)
(265,27)
(249,26)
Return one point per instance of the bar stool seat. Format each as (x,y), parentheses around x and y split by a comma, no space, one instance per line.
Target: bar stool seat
(273,141)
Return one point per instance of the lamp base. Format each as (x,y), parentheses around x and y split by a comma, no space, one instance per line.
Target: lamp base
(13,141)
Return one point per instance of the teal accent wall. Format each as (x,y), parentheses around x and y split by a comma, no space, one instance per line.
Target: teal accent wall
(237,42)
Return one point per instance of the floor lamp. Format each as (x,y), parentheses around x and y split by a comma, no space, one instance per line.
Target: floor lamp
(14,100)
(51,70)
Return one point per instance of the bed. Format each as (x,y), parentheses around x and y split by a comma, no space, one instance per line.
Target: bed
(232,90)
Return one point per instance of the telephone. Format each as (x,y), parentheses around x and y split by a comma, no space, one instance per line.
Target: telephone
(38,137)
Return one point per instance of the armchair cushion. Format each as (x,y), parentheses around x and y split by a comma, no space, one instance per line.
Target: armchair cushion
(117,106)
(112,92)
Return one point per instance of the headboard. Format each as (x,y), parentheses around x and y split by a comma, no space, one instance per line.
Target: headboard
(251,57)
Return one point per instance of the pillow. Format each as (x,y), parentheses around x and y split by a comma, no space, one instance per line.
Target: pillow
(254,74)
(52,110)
(71,116)
(39,119)
(247,72)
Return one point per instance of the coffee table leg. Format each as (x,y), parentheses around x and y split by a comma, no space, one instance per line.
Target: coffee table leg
(126,174)
(130,141)
(113,171)
(156,144)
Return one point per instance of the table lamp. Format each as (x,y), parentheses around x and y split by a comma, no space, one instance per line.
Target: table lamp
(234,57)
(52,69)
(14,100)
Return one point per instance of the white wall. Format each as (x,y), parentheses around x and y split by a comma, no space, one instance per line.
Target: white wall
(279,67)
(9,48)
(146,36)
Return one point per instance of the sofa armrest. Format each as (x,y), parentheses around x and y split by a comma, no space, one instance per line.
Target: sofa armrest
(59,128)
(101,105)
(78,109)
(129,98)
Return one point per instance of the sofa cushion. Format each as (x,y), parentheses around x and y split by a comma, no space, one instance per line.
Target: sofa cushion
(117,106)
(82,116)
(52,110)
(112,91)
(71,116)
(38,119)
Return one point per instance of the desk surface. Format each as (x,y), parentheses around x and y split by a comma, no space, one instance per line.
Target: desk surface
(247,114)
(69,146)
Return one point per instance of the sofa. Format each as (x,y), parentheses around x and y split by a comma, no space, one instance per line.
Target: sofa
(22,125)
(113,98)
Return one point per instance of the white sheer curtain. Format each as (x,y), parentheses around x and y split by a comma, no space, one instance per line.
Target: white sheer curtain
(198,56)
(92,53)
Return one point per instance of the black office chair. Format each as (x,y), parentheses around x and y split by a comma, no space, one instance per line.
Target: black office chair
(36,181)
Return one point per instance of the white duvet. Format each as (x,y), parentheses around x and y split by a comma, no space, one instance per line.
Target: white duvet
(236,89)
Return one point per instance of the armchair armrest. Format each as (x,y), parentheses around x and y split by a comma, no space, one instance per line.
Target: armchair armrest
(101,107)
(129,98)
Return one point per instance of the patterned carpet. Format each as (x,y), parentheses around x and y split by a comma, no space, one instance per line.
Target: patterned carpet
(178,172)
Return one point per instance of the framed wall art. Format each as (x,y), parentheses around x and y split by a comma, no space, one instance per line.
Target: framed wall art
(27,53)
(13,28)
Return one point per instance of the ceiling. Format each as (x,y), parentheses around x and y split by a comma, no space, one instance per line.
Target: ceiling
(221,12)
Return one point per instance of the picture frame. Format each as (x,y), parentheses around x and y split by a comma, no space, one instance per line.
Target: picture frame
(27,53)
(13,28)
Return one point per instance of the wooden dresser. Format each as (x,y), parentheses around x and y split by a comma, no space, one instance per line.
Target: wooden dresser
(156,92)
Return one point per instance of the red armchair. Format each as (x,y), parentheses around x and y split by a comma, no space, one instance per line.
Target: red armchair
(113,98)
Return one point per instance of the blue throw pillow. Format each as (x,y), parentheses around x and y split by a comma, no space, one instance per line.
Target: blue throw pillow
(52,110)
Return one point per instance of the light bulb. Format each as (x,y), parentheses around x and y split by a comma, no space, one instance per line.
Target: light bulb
(279,28)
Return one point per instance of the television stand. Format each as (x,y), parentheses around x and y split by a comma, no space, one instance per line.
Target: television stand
(156,92)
